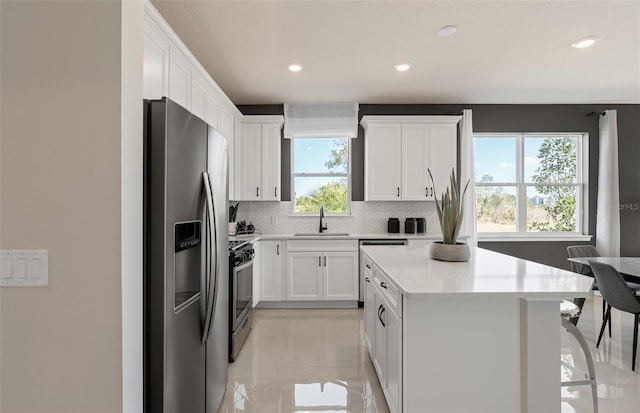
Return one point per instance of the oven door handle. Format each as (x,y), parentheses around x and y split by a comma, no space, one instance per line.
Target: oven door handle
(243,266)
(211,263)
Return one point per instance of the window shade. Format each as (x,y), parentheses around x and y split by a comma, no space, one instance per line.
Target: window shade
(320,120)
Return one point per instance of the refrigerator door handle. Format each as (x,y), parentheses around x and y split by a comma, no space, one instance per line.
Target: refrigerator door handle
(211,271)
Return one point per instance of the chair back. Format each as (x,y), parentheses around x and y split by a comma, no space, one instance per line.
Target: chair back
(582,251)
(614,288)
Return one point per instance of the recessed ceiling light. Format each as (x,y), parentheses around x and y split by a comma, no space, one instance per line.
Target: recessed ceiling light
(295,67)
(447,31)
(402,67)
(582,43)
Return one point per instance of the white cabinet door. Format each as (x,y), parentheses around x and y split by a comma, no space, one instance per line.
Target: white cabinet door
(155,64)
(270,188)
(382,162)
(393,390)
(340,278)
(379,341)
(304,276)
(369,312)
(270,271)
(250,160)
(198,95)
(234,163)
(179,79)
(211,110)
(442,154)
(415,162)
(226,128)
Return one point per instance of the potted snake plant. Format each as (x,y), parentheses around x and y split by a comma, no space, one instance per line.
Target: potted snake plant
(450,211)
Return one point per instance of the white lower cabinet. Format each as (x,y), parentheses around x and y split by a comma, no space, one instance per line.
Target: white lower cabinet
(270,270)
(322,270)
(305,276)
(317,275)
(383,329)
(340,280)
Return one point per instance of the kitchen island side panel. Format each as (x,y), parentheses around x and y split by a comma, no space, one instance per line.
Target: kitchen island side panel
(461,355)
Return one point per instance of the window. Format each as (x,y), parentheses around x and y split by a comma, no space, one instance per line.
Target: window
(321,175)
(530,183)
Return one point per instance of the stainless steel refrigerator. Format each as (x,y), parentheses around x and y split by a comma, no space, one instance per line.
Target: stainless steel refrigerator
(186,286)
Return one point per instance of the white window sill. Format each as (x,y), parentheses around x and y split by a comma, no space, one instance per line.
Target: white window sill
(533,238)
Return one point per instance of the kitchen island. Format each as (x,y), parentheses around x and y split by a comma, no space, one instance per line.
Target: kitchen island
(477,336)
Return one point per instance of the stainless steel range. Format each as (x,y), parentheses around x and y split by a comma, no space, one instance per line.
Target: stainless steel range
(240,294)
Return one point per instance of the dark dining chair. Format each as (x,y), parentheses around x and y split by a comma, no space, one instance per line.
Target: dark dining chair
(615,290)
(587,251)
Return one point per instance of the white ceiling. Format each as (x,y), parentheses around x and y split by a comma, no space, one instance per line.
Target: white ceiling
(504,51)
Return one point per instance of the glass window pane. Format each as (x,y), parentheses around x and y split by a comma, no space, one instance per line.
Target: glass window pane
(311,192)
(495,159)
(551,209)
(320,155)
(550,159)
(496,208)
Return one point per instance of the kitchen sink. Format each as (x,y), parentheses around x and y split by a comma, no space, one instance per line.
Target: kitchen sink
(321,234)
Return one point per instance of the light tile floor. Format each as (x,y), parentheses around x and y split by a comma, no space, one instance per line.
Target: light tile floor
(315,360)
(618,385)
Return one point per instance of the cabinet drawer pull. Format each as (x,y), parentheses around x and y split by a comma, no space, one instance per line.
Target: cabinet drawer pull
(398,192)
(325,260)
(368,266)
(319,261)
(257,191)
(278,249)
(380,312)
(431,191)
(426,189)
(383,284)
(275,191)
(367,279)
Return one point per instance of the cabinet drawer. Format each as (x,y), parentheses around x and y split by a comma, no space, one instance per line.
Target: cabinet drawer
(388,290)
(323,245)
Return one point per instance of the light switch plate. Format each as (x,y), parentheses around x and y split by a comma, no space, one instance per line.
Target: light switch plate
(24,268)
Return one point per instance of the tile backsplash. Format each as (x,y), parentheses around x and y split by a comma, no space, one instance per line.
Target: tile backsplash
(365,218)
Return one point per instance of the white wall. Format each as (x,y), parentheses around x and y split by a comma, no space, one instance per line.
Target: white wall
(60,190)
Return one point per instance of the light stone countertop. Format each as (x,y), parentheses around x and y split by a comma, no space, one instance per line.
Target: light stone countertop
(357,236)
(488,274)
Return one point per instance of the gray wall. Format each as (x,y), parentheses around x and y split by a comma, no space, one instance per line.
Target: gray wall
(522,118)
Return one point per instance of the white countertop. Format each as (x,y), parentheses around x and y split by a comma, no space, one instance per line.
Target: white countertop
(487,274)
(384,235)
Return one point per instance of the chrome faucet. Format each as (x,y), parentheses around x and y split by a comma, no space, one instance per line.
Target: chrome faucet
(322,227)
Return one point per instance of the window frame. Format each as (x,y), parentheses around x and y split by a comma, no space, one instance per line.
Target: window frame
(581,185)
(293,177)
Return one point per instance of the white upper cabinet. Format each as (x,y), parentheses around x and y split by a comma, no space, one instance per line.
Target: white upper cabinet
(155,64)
(249,150)
(179,79)
(443,155)
(198,95)
(171,70)
(415,161)
(271,169)
(400,149)
(258,158)
(383,160)
(211,110)
(234,165)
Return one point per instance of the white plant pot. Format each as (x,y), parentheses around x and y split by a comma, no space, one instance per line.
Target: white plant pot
(233,228)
